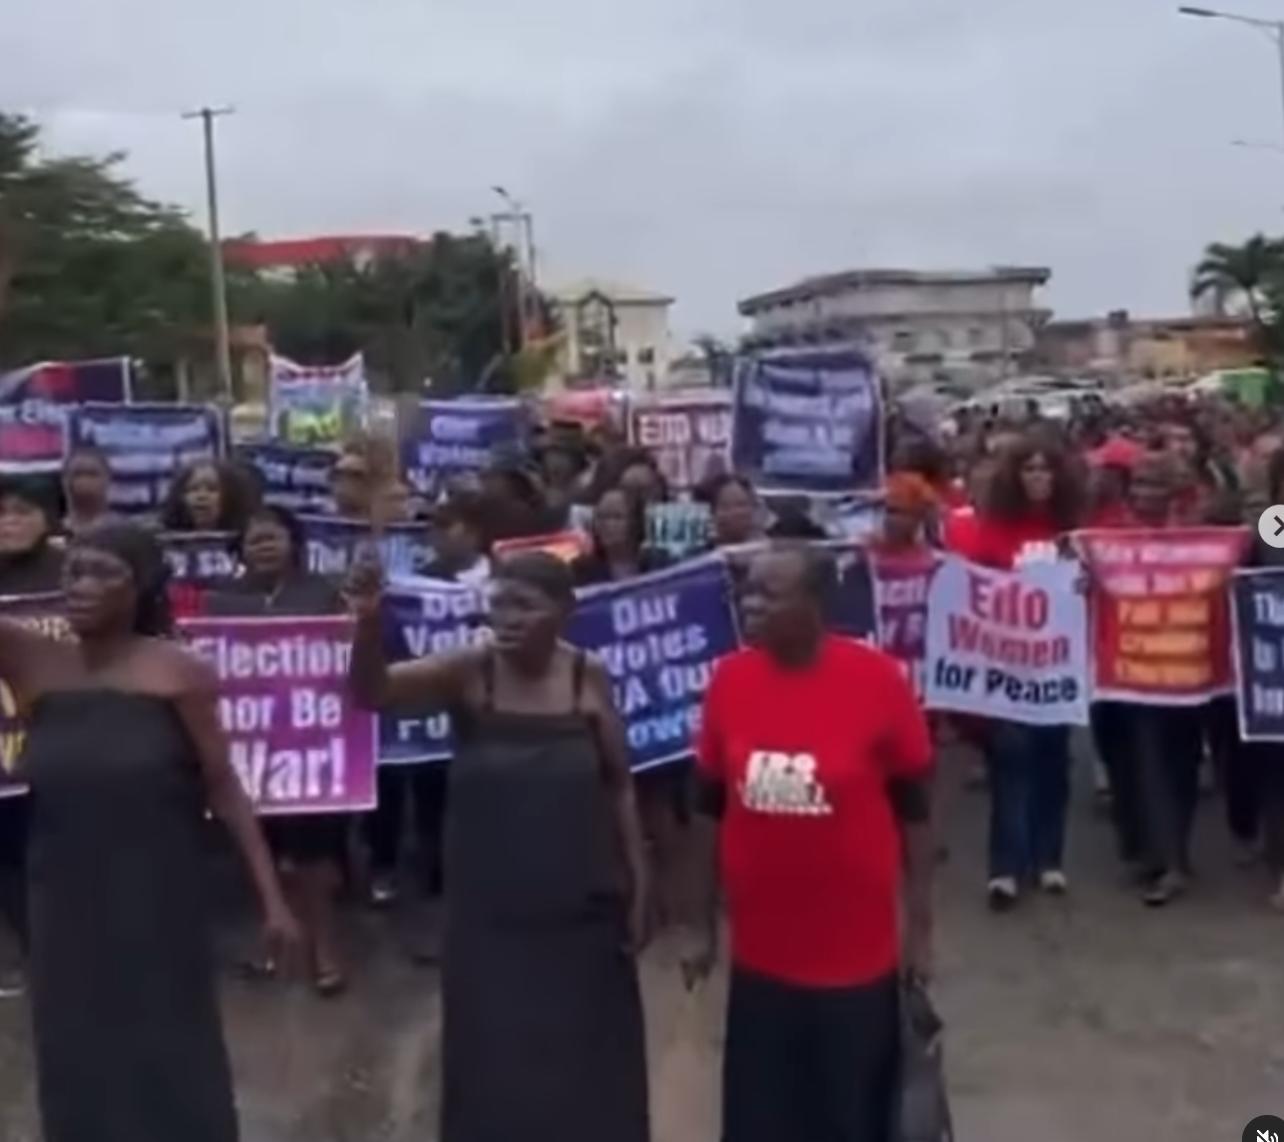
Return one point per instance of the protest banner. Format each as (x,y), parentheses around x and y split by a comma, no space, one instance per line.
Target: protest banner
(808,421)
(44,614)
(901,585)
(1160,623)
(680,527)
(295,740)
(453,436)
(198,561)
(1007,644)
(566,545)
(426,616)
(658,635)
(688,435)
(1257,624)
(316,405)
(849,589)
(146,445)
(335,543)
(293,476)
(34,403)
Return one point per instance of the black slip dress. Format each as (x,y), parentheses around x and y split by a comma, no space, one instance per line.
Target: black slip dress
(543,1036)
(128,1038)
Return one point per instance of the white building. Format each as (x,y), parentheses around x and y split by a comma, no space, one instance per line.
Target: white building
(615,332)
(969,327)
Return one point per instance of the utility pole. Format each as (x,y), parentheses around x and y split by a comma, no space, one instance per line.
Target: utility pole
(522,226)
(218,280)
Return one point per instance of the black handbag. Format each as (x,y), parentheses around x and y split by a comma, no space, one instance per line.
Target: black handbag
(921,1111)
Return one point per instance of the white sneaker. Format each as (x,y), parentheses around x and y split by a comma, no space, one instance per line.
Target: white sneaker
(1002,891)
(1054,882)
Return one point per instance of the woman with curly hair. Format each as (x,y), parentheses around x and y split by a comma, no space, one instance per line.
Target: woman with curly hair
(1034,498)
(207,496)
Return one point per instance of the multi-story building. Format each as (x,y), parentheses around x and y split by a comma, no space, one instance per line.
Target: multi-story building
(971,327)
(1123,348)
(614,333)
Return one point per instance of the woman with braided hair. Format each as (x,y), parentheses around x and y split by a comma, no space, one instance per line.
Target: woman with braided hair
(124,754)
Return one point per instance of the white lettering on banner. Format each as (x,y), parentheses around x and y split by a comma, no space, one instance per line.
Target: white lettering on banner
(783,784)
(144,435)
(423,639)
(290,776)
(291,656)
(1007,644)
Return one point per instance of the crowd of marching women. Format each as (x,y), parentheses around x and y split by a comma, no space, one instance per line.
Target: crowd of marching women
(805,818)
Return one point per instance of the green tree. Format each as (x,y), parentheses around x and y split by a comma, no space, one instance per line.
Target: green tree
(449,312)
(88,265)
(1250,273)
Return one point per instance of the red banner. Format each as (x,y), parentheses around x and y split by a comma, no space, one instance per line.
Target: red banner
(1160,621)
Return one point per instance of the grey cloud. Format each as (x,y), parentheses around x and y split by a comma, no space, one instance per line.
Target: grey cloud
(709,148)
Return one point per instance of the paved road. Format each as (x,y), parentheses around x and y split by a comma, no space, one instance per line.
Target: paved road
(1088,1018)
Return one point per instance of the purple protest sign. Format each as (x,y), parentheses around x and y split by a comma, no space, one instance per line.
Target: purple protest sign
(296,742)
(900,594)
(687,435)
(43,613)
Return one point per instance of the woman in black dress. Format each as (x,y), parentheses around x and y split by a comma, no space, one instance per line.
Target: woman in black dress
(545,878)
(30,564)
(124,753)
(311,847)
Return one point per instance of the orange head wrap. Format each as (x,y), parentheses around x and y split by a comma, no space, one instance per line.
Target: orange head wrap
(910,493)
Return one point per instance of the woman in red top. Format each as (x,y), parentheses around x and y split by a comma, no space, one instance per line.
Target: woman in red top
(1033,500)
(822,809)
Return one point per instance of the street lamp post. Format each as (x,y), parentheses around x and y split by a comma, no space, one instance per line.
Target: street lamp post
(523,222)
(1273,30)
(218,279)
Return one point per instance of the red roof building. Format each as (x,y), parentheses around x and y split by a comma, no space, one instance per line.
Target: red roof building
(291,253)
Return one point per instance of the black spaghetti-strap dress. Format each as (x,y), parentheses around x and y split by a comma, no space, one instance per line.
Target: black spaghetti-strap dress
(128,1038)
(543,1037)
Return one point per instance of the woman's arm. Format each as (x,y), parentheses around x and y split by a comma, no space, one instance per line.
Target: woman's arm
(197,704)
(28,657)
(614,746)
(437,680)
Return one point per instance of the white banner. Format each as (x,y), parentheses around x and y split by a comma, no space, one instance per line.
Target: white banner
(1008,644)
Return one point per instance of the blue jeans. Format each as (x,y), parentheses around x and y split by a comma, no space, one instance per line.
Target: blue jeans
(1029,770)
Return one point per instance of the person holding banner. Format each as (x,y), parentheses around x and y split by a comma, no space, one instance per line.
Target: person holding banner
(819,802)
(1034,500)
(124,752)
(542,1031)
(312,848)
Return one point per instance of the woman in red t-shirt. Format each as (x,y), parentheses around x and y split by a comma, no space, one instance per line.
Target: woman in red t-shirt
(1033,500)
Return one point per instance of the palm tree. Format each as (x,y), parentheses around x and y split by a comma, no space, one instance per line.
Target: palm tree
(1248,272)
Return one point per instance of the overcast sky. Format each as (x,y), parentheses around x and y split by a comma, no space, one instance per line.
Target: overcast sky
(705,148)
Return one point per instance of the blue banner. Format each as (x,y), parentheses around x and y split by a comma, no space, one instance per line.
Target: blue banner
(807,420)
(454,436)
(659,636)
(426,616)
(334,543)
(1257,611)
(34,403)
(146,445)
(294,476)
(202,558)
